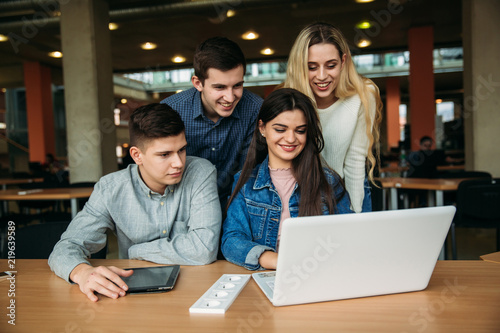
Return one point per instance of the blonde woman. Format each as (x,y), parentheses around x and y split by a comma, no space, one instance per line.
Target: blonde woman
(349,106)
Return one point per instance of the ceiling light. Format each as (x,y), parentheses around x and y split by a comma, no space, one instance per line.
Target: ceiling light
(267,51)
(123,101)
(250,35)
(148,46)
(4,90)
(364,42)
(439,100)
(56,54)
(364,1)
(3,38)
(364,25)
(112,26)
(230,13)
(178,59)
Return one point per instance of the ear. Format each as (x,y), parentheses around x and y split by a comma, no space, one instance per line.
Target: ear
(197,83)
(261,126)
(136,154)
(344,57)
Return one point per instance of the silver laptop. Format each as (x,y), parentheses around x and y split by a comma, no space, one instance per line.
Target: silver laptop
(332,257)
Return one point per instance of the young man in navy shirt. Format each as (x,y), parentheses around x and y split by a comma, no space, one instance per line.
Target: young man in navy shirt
(219,114)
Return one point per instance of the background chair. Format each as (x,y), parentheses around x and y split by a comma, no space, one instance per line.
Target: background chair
(478,206)
(36,241)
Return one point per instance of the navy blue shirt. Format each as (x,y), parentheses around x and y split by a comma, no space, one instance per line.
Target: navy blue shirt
(224,143)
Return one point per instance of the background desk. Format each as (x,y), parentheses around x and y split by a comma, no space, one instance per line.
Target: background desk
(436,185)
(71,194)
(463,296)
(492,257)
(17,181)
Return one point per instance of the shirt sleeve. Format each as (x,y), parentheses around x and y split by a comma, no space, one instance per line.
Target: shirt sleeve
(237,245)
(355,160)
(195,241)
(85,235)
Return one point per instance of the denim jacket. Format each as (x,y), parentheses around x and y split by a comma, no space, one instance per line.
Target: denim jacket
(253,218)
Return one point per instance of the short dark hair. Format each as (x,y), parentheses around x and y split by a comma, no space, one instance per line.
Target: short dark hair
(219,53)
(153,121)
(425,138)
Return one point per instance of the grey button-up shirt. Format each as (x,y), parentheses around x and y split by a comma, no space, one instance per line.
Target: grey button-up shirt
(179,226)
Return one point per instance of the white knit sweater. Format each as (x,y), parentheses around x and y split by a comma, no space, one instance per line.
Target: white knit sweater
(346,143)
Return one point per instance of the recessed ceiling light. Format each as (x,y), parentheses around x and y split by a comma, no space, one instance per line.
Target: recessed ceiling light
(230,13)
(364,42)
(113,26)
(250,35)
(364,25)
(178,59)
(364,1)
(3,38)
(148,46)
(439,100)
(267,51)
(56,54)
(123,101)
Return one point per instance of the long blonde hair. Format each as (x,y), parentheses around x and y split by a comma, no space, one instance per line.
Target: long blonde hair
(350,82)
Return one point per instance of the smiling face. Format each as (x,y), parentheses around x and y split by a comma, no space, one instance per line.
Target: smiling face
(286,137)
(324,65)
(161,161)
(221,91)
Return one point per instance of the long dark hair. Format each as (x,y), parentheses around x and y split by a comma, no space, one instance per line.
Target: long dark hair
(307,166)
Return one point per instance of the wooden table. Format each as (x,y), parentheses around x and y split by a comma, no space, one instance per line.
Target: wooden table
(430,184)
(462,296)
(66,193)
(17,181)
(451,167)
(392,168)
(492,257)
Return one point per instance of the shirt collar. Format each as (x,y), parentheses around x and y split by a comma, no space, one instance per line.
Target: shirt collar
(263,178)
(198,107)
(142,185)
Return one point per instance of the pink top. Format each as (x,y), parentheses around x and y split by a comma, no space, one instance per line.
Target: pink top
(284,181)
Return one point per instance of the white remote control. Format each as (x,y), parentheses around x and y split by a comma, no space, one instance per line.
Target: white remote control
(221,294)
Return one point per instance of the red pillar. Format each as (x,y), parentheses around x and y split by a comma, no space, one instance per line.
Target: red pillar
(40,115)
(422,103)
(393,100)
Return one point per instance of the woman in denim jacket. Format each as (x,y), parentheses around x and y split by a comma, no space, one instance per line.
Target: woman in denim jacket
(283,176)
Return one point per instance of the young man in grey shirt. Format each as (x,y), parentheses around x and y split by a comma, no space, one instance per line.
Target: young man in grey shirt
(164,209)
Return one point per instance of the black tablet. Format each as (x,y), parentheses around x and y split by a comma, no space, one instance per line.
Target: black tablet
(152,279)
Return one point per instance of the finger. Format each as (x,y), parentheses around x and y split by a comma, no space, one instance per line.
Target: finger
(116,278)
(103,290)
(90,295)
(121,272)
(105,278)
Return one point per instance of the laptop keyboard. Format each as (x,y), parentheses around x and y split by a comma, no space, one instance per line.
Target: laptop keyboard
(271,284)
